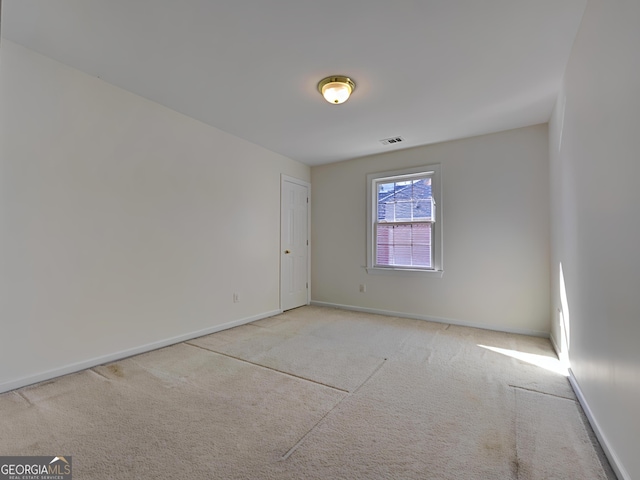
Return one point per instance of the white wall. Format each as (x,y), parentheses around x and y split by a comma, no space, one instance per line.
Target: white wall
(122,223)
(496,234)
(595,164)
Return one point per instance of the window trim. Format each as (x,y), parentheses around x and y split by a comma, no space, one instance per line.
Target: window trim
(433,170)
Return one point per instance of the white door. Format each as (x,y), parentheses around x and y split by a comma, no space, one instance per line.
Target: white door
(294,244)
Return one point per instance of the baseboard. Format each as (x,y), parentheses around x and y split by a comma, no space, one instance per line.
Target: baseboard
(554,345)
(614,460)
(112,357)
(451,321)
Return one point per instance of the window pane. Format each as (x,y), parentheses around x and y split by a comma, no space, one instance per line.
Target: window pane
(421,209)
(386,212)
(384,239)
(422,234)
(421,256)
(403,212)
(386,192)
(422,189)
(405,201)
(402,235)
(404,245)
(401,254)
(403,191)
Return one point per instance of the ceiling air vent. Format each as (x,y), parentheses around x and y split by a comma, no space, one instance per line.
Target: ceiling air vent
(389,141)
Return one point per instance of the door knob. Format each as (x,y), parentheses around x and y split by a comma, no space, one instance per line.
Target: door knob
(287,252)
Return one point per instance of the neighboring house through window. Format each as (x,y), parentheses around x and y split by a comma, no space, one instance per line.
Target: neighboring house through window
(404,221)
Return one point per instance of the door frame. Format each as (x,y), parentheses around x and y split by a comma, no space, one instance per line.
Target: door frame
(287,178)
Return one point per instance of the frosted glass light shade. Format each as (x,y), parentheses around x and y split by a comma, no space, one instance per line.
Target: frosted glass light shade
(336,90)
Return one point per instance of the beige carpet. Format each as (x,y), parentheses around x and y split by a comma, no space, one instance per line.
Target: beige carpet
(315,393)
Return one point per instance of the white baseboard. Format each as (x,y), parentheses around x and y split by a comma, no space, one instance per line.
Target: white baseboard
(614,460)
(112,357)
(554,345)
(462,323)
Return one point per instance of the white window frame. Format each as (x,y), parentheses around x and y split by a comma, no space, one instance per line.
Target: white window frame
(372,199)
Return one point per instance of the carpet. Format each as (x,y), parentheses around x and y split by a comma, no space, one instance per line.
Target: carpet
(315,393)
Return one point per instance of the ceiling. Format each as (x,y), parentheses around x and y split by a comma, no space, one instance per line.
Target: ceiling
(426,70)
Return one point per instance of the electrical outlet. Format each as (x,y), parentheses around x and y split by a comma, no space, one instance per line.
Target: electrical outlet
(236,298)
(363,288)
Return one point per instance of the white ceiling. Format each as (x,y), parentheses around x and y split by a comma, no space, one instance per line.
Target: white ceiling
(426,70)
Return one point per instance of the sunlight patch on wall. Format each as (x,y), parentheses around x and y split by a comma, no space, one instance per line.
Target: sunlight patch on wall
(564,321)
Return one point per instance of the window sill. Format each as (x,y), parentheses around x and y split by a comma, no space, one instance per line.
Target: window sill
(405,272)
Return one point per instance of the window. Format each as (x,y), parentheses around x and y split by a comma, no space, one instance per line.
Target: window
(404,221)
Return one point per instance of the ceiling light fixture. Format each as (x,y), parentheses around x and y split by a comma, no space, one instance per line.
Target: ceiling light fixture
(336,89)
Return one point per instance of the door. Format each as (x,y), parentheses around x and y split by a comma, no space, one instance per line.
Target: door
(294,243)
